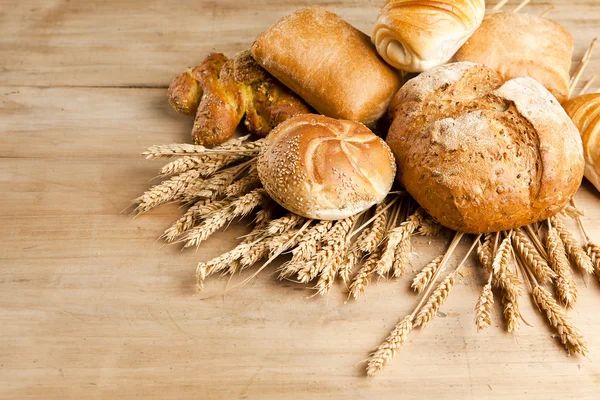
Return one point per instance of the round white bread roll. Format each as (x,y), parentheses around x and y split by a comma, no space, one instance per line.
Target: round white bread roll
(323,168)
(415,35)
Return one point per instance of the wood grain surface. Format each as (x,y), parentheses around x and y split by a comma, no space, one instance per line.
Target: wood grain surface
(92,306)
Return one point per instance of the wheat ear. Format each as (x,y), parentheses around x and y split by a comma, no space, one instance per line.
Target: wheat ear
(368,242)
(363,276)
(565,284)
(192,216)
(308,244)
(184,149)
(395,237)
(532,257)
(573,249)
(245,184)
(485,251)
(483,309)
(429,227)
(424,277)
(386,351)
(568,334)
(166,191)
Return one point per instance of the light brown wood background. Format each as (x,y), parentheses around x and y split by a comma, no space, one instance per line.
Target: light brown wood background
(92,307)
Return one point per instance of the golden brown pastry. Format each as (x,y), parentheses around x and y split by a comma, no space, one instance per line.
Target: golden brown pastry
(481,155)
(324,168)
(333,66)
(415,35)
(585,113)
(516,44)
(220,92)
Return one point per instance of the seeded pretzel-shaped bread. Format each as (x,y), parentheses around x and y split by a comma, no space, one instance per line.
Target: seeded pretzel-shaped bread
(221,91)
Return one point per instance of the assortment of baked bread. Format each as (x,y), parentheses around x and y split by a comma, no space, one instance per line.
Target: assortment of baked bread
(481,143)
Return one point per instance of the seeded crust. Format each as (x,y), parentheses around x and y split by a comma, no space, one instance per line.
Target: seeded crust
(481,155)
(330,64)
(324,168)
(519,44)
(585,112)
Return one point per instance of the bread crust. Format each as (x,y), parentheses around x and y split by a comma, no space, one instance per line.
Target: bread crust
(519,44)
(481,155)
(415,35)
(324,168)
(585,113)
(329,63)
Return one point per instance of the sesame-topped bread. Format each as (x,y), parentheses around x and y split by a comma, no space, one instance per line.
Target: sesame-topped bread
(324,168)
(480,155)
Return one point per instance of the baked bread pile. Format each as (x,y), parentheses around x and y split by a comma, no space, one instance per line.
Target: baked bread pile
(480,145)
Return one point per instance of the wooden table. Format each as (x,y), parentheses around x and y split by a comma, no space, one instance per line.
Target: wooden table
(91,306)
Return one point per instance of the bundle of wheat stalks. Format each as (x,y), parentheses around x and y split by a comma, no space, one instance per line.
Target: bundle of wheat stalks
(221,184)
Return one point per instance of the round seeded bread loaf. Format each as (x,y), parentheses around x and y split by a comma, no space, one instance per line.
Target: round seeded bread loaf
(324,168)
(481,155)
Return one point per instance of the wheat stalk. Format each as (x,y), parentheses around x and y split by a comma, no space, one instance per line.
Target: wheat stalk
(395,237)
(511,291)
(283,242)
(192,216)
(216,185)
(568,334)
(424,277)
(350,261)
(401,258)
(386,351)
(572,212)
(574,250)
(371,238)
(283,224)
(363,276)
(308,244)
(245,184)
(327,277)
(502,257)
(532,257)
(333,242)
(435,301)
(166,191)
(485,251)
(184,149)
(565,284)
(593,251)
(429,227)
(240,207)
(483,309)
(258,251)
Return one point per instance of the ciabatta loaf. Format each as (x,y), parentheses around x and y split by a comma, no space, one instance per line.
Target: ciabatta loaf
(324,168)
(333,66)
(481,155)
(518,44)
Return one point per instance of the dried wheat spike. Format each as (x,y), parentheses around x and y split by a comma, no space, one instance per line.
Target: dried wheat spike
(502,257)
(240,207)
(215,186)
(532,257)
(192,216)
(569,335)
(333,243)
(424,277)
(565,284)
(368,242)
(308,244)
(283,242)
(593,251)
(362,278)
(258,251)
(401,258)
(435,301)
(350,261)
(572,212)
(166,191)
(386,351)
(221,262)
(245,184)
(484,251)
(184,149)
(429,227)
(483,309)
(511,287)
(283,224)
(574,250)
(327,277)
(395,237)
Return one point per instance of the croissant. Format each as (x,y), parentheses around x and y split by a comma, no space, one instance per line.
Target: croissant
(222,91)
(415,35)
(585,113)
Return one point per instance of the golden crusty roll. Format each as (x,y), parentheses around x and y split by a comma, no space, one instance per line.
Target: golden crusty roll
(585,113)
(324,168)
(415,35)
(329,63)
(481,155)
(517,44)
(221,92)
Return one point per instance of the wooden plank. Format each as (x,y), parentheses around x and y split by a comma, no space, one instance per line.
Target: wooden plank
(141,43)
(92,307)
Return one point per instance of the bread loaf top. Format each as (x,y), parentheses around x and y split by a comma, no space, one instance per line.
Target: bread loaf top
(480,155)
(519,44)
(329,63)
(324,168)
